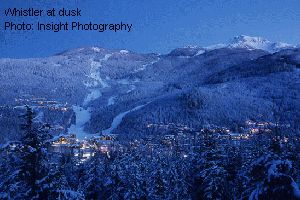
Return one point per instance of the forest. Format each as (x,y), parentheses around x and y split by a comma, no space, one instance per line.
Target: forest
(266,166)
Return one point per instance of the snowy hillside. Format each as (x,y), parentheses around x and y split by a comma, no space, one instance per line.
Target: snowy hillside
(88,91)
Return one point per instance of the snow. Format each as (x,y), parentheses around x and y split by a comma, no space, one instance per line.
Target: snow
(191,46)
(273,169)
(39,117)
(132,87)
(296,189)
(142,68)
(94,73)
(200,52)
(96,49)
(183,56)
(111,100)
(21,107)
(82,117)
(146,65)
(70,194)
(57,65)
(8,143)
(252,43)
(244,41)
(93,95)
(118,119)
(124,81)
(128,82)
(216,46)
(124,51)
(255,193)
(282,45)
(107,181)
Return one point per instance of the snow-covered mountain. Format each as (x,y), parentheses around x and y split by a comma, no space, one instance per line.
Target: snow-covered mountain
(251,43)
(241,41)
(91,90)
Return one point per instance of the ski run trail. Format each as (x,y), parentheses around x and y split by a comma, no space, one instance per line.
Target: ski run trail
(83,113)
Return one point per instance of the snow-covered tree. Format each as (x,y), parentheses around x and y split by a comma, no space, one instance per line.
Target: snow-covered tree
(272,178)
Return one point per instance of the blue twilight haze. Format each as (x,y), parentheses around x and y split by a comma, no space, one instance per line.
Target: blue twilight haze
(158,25)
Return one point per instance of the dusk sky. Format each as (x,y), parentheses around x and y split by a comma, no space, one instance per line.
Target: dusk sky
(158,25)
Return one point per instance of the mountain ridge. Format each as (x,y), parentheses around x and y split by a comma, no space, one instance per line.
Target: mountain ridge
(190,85)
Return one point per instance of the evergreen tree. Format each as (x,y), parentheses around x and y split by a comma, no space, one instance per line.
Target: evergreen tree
(212,178)
(91,183)
(11,187)
(33,156)
(272,178)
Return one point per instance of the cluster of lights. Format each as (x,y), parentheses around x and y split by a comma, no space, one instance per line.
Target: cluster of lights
(43,103)
(84,149)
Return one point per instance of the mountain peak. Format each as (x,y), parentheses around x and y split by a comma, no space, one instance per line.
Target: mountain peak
(246,38)
(251,43)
